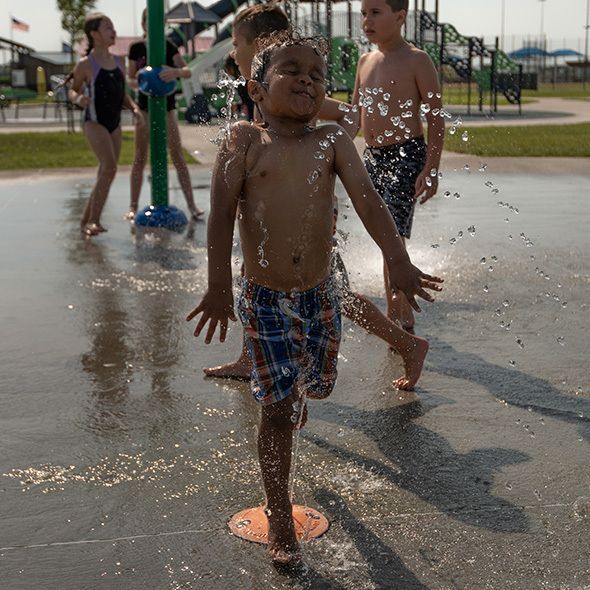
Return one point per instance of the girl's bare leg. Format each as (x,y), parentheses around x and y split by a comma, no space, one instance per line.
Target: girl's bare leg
(275,440)
(184,178)
(398,307)
(412,349)
(106,147)
(138,167)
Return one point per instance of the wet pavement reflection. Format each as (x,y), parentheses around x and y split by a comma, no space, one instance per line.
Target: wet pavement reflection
(120,464)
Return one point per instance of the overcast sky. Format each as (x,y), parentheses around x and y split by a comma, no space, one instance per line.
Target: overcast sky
(563,19)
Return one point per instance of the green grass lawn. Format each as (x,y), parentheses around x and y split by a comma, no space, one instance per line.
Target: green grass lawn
(56,150)
(542,140)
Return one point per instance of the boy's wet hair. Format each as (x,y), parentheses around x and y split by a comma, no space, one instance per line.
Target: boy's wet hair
(260,19)
(268,44)
(91,23)
(397,5)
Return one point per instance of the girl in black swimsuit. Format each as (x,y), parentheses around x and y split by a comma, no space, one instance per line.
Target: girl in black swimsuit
(103,75)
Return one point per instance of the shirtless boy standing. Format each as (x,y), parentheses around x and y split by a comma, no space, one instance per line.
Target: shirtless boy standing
(248,26)
(395,84)
(288,305)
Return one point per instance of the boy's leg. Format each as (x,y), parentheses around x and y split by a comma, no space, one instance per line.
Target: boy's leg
(412,349)
(139,162)
(275,441)
(398,308)
(184,177)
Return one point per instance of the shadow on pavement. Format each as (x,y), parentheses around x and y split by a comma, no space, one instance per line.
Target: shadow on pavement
(457,484)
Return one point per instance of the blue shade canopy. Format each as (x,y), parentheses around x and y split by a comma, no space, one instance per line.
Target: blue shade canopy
(527,52)
(566,53)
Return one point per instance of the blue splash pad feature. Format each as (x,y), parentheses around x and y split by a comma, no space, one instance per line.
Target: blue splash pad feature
(150,83)
(166,216)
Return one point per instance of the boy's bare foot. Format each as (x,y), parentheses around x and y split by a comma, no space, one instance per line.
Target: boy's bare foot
(413,359)
(239,370)
(283,547)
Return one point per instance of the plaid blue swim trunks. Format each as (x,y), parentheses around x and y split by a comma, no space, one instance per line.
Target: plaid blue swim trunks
(394,170)
(292,338)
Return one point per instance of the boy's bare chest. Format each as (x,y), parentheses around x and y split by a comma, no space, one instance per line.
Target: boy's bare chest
(393,76)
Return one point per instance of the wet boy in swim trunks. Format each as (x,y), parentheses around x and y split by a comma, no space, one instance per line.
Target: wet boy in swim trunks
(288,306)
(395,84)
(248,26)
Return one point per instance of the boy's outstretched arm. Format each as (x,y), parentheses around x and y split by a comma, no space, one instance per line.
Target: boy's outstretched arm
(348,120)
(404,276)
(217,305)
(429,88)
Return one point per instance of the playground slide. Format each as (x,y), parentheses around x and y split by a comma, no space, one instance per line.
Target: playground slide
(505,69)
(192,88)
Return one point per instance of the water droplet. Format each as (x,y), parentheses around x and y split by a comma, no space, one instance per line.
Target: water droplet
(482,260)
(286,371)
(433,172)
(340,432)
(402,152)
(465,136)
(383,109)
(537,495)
(380,139)
(520,342)
(483,167)
(508,485)
(430,94)
(581,508)
(319,155)
(428,182)
(471,230)
(263,262)
(447,194)
(467,168)
(494,259)
(561,340)
(564,304)
(453,241)
(452,130)
(386,96)
(438,95)
(425,108)
(343,107)
(490,268)
(512,363)
(313,176)
(434,245)
(324,144)
(388,133)
(485,288)
(267,511)
(456,195)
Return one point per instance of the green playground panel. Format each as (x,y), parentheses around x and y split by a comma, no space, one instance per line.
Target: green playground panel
(344,56)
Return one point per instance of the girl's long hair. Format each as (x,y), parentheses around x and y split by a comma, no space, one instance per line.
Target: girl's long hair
(91,23)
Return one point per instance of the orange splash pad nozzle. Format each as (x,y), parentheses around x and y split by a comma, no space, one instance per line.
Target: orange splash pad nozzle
(252,524)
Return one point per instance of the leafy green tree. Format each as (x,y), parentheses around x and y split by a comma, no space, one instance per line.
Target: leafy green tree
(73,13)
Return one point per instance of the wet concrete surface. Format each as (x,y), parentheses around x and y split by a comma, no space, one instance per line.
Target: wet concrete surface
(120,464)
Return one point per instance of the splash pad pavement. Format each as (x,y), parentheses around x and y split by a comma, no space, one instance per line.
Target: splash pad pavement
(120,465)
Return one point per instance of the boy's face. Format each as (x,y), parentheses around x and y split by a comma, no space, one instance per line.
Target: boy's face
(243,53)
(295,84)
(379,20)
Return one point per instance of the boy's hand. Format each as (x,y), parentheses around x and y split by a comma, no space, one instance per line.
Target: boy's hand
(412,282)
(422,188)
(216,307)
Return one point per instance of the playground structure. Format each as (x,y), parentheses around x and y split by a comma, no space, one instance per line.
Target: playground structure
(489,69)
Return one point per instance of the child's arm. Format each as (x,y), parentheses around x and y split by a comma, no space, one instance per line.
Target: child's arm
(180,70)
(356,96)
(79,77)
(331,111)
(130,104)
(429,87)
(404,276)
(229,172)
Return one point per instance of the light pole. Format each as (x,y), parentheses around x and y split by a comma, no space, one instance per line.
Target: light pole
(542,42)
(586,41)
(503,25)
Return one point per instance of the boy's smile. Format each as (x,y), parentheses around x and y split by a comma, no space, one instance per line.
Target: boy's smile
(295,84)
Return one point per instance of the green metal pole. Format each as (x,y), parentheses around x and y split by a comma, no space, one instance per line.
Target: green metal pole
(156,51)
